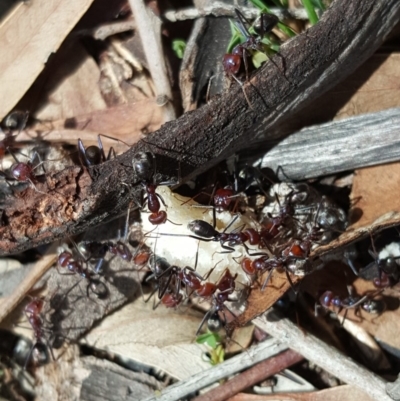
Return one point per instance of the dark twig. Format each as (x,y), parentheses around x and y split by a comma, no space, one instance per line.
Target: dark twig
(348,33)
(252,376)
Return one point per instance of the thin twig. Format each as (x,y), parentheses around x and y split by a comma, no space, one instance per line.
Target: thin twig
(35,273)
(252,376)
(105,30)
(149,29)
(323,355)
(219,9)
(236,364)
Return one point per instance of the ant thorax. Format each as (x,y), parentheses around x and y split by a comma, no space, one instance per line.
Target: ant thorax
(172,241)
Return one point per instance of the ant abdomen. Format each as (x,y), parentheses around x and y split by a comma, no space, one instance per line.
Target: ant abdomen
(158,218)
(231,63)
(252,235)
(202,228)
(206,290)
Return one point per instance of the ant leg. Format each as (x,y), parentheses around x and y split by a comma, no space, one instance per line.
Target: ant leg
(161,199)
(82,154)
(209,88)
(230,223)
(246,65)
(244,91)
(210,312)
(290,281)
(111,154)
(101,148)
(115,139)
(267,279)
(344,317)
(228,248)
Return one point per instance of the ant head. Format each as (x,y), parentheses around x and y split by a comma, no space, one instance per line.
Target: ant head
(93,155)
(143,165)
(214,323)
(266,24)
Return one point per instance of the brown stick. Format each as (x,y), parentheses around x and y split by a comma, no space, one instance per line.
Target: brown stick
(252,376)
(348,33)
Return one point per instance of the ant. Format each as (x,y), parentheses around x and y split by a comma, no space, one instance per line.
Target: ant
(141,257)
(266,264)
(226,286)
(271,226)
(385,267)
(300,249)
(32,312)
(66,260)
(328,299)
(232,62)
(15,121)
(94,155)
(24,172)
(144,167)
(206,232)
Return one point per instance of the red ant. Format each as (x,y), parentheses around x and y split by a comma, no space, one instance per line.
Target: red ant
(32,312)
(15,121)
(24,172)
(233,61)
(271,227)
(65,259)
(93,155)
(171,300)
(226,286)
(168,285)
(266,264)
(328,299)
(144,167)
(301,249)
(384,270)
(206,232)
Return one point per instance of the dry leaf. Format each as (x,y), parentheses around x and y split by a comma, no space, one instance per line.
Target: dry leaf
(127,122)
(74,86)
(162,338)
(374,87)
(373,193)
(30,34)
